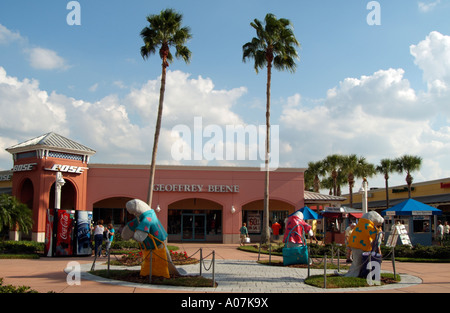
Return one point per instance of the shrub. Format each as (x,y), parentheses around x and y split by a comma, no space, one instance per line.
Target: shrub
(20,247)
(13,289)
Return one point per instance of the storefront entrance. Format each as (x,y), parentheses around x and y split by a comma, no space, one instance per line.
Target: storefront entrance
(195,219)
(193,227)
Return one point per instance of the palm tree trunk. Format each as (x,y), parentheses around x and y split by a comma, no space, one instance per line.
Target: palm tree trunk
(409,182)
(157,131)
(265,236)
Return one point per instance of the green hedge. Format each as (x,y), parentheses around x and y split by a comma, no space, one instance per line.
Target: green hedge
(420,252)
(20,247)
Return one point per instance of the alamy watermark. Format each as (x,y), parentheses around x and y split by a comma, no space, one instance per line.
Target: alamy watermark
(73,270)
(74,16)
(231,143)
(374,276)
(374,16)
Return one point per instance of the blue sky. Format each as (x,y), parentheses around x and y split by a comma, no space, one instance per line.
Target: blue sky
(357,89)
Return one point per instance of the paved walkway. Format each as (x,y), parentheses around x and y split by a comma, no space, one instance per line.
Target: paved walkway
(235,272)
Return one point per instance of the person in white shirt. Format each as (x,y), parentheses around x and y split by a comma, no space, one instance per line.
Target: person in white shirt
(98,237)
(440,232)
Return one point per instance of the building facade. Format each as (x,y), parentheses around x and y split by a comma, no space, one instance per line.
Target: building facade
(193,203)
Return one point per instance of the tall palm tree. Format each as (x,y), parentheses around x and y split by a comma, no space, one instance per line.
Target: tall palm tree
(14,214)
(408,164)
(356,167)
(164,31)
(274,45)
(386,167)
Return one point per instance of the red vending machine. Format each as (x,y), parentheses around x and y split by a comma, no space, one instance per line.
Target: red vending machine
(59,236)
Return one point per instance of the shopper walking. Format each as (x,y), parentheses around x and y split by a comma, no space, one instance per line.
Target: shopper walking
(98,237)
(109,237)
(244,233)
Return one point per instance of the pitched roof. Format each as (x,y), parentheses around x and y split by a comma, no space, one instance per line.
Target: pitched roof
(51,141)
(318,197)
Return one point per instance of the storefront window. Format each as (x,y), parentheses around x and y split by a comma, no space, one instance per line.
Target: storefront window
(421,224)
(253,220)
(213,224)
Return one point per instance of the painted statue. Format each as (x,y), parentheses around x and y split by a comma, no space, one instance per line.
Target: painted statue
(361,239)
(149,232)
(295,237)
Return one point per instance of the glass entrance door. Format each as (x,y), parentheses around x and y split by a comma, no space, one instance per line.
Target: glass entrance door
(193,227)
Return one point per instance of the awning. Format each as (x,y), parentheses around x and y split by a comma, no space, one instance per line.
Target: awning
(411,207)
(331,214)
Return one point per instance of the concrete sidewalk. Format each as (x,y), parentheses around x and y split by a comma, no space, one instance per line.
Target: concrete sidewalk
(235,271)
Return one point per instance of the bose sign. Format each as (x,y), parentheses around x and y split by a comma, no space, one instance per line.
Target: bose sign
(24,167)
(67,169)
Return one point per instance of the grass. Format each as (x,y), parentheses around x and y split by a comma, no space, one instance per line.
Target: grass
(19,256)
(336,281)
(134,277)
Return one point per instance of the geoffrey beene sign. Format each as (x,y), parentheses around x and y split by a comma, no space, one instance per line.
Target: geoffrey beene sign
(195,188)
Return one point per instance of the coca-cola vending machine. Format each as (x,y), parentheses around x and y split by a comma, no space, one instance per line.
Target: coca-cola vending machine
(49,225)
(59,235)
(82,241)
(64,234)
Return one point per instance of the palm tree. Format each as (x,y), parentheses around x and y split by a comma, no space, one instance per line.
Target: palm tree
(386,167)
(355,167)
(14,214)
(274,45)
(314,171)
(332,165)
(408,164)
(164,31)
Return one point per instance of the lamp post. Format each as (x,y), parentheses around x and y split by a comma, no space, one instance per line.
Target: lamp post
(58,184)
(363,191)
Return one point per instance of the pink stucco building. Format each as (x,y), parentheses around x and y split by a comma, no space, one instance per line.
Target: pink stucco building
(193,203)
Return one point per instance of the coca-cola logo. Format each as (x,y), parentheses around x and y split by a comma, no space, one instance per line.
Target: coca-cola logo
(64,226)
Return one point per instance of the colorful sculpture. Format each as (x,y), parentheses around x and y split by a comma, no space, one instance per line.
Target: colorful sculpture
(295,250)
(361,240)
(149,232)
(295,237)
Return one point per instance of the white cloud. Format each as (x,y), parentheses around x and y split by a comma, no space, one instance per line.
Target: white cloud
(379,116)
(432,56)
(7,36)
(105,125)
(45,59)
(38,57)
(427,7)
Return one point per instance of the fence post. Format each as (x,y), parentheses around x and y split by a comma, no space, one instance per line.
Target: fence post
(259,251)
(270,253)
(338,256)
(93,264)
(201,260)
(325,272)
(109,261)
(213,268)
(393,261)
(309,264)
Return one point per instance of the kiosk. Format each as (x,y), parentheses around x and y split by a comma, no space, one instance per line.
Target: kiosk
(416,218)
(337,220)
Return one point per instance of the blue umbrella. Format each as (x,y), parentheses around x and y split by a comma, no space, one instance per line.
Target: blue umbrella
(309,214)
(409,206)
